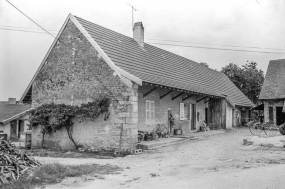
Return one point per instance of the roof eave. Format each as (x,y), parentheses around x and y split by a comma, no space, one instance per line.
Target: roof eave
(16,116)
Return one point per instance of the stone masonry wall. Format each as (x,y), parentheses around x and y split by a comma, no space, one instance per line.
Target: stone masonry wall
(274,104)
(79,76)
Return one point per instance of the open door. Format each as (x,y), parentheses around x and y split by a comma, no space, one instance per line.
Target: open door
(193,116)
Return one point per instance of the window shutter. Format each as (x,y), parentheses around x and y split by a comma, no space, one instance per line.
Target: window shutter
(152,110)
(181,111)
(147,111)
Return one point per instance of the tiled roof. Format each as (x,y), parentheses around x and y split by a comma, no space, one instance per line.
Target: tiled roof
(273,86)
(158,66)
(9,110)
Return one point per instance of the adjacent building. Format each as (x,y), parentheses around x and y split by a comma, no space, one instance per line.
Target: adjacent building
(273,92)
(13,119)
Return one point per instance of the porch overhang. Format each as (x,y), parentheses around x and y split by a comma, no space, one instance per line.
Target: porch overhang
(259,107)
(181,90)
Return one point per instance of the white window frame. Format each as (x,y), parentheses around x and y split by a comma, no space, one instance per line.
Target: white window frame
(182,108)
(186,112)
(148,110)
(182,114)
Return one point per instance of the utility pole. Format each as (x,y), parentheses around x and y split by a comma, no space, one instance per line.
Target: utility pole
(132,14)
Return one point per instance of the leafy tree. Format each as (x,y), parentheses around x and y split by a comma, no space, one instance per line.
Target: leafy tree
(248,78)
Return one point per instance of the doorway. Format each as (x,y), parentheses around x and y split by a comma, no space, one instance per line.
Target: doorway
(13,131)
(280,116)
(206,116)
(193,117)
(20,127)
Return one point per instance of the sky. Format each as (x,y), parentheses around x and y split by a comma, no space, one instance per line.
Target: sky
(207,24)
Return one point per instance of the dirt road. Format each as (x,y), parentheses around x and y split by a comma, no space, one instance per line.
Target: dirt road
(219,161)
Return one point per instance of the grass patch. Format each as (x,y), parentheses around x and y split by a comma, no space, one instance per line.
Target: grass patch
(100,154)
(55,173)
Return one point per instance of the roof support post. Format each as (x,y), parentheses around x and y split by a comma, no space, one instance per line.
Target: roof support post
(162,96)
(201,99)
(188,96)
(147,93)
(177,95)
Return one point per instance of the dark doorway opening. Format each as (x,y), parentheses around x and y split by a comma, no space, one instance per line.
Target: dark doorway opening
(280,116)
(193,116)
(270,113)
(206,115)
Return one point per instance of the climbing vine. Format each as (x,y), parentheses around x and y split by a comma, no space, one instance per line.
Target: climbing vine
(53,117)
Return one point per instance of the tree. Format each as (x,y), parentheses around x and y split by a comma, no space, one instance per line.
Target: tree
(248,78)
(204,64)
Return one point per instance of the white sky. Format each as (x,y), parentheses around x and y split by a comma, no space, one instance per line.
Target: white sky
(226,22)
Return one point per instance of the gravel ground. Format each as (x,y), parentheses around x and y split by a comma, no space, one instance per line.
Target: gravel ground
(219,161)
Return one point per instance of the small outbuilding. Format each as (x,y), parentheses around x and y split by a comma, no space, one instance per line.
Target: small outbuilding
(13,119)
(273,92)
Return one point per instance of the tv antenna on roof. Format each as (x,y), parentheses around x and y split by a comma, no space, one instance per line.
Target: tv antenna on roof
(132,14)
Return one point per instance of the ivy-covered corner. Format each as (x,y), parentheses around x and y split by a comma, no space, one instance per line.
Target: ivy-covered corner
(104,123)
(54,117)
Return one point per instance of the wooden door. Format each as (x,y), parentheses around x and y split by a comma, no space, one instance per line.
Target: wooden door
(13,131)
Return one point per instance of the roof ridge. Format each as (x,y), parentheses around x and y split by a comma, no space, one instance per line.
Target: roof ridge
(192,61)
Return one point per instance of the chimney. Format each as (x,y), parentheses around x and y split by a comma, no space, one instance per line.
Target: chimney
(138,33)
(12,100)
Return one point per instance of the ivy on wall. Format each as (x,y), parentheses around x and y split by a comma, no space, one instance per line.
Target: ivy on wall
(53,117)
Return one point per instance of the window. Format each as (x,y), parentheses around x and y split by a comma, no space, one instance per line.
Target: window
(150,111)
(184,111)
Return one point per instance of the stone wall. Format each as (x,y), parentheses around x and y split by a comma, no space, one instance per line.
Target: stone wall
(162,106)
(274,104)
(79,76)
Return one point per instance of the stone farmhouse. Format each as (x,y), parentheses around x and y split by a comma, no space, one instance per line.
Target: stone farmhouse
(273,92)
(146,83)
